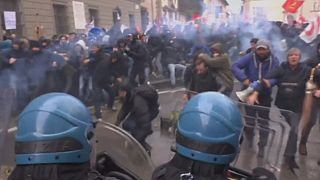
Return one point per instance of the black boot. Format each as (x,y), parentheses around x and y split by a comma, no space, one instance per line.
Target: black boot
(291,162)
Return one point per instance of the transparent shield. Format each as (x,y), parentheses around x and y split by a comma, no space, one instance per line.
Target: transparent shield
(264,137)
(124,150)
(171,106)
(265,121)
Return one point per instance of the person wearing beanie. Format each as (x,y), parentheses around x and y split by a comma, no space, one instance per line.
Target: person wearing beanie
(253,67)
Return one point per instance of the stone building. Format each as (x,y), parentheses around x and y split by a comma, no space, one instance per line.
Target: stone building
(163,10)
(49,17)
(273,10)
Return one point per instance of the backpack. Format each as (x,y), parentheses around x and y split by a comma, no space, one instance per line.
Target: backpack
(148,93)
(151,96)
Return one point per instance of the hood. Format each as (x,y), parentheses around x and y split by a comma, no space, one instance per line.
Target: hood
(34,44)
(217,47)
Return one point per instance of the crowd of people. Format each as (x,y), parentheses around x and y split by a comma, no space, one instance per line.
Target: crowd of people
(207,59)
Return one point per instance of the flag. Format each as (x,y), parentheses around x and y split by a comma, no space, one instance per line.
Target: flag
(292,6)
(311,32)
(302,20)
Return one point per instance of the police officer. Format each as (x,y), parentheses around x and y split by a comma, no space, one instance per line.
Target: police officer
(207,140)
(53,140)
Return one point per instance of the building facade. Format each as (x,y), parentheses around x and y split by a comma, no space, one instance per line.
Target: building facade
(273,11)
(163,10)
(310,8)
(215,10)
(268,9)
(49,17)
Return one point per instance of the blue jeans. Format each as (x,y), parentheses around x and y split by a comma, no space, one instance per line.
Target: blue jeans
(85,86)
(172,68)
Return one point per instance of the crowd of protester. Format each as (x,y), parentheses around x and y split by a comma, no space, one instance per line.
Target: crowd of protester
(207,58)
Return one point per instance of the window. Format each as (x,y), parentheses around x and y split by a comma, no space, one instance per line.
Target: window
(94,15)
(61,18)
(132,21)
(11,6)
(218,11)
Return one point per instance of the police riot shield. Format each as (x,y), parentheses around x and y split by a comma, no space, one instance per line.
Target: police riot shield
(264,127)
(7,130)
(265,137)
(123,151)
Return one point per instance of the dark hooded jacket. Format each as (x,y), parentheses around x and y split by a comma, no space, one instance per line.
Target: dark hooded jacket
(102,74)
(119,69)
(138,53)
(38,65)
(142,104)
(18,68)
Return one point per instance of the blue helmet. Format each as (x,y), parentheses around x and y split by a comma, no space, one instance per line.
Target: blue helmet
(209,129)
(54,128)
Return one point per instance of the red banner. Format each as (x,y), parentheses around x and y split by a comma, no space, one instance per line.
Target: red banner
(292,6)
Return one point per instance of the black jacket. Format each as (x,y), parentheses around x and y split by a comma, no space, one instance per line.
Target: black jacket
(155,45)
(102,74)
(291,86)
(140,106)
(120,67)
(204,82)
(182,165)
(137,52)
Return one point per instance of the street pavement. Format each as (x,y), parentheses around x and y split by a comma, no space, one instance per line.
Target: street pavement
(163,138)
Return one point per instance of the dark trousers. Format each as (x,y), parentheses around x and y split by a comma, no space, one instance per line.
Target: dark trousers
(98,96)
(293,120)
(137,70)
(254,118)
(313,119)
(139,131)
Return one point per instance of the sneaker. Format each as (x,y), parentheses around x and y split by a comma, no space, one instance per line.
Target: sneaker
(303,149)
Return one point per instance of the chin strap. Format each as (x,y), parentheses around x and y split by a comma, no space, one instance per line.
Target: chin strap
(188,175)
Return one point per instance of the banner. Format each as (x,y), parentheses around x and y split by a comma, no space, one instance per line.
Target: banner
(311,32)
(292,6)
(10,20)
(79,15)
